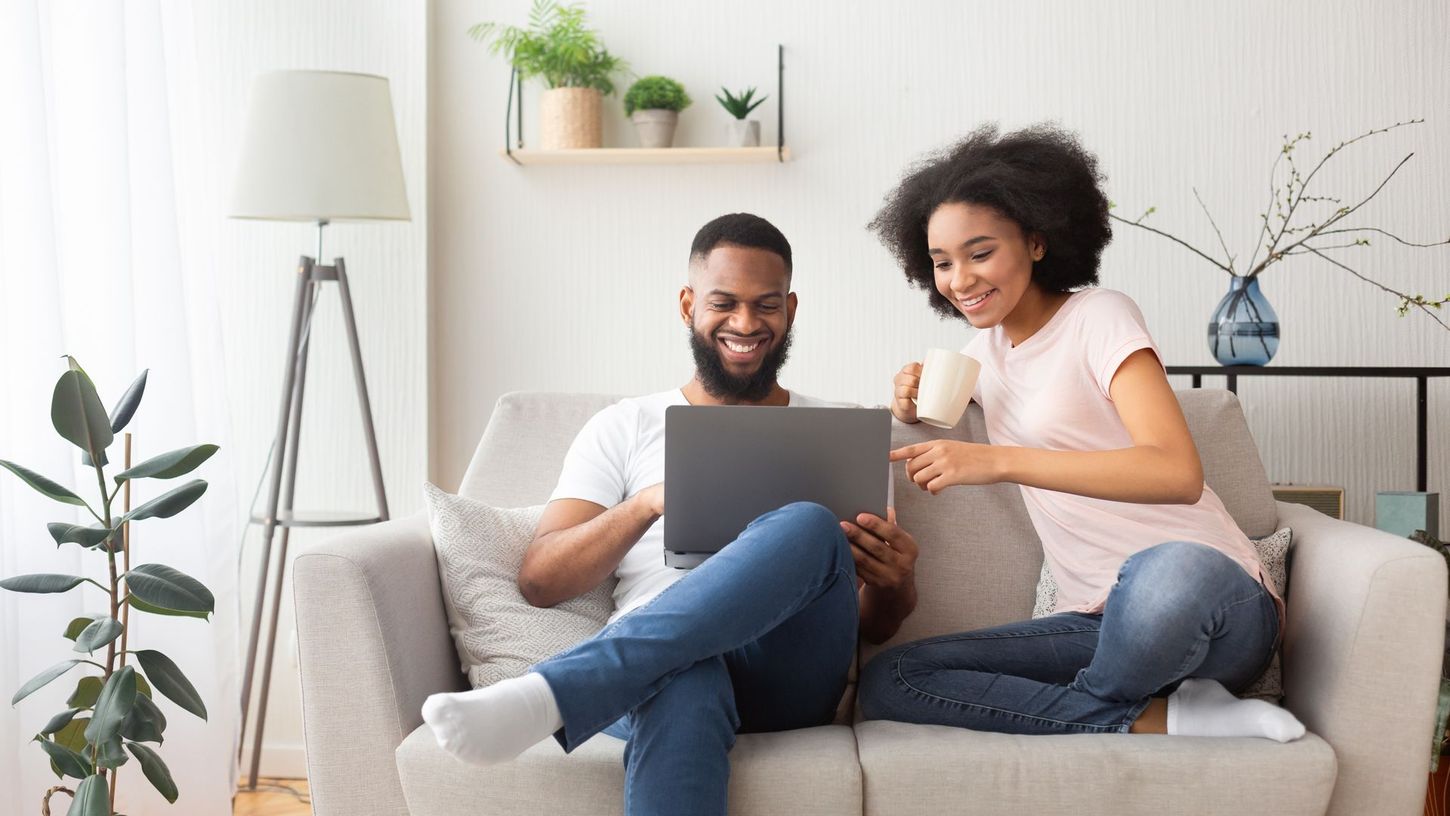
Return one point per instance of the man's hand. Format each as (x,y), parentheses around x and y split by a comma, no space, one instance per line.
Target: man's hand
(905,384)
(941,463)
(885,554)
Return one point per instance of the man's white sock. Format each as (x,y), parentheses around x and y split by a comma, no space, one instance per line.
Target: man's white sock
(495,723)
(1204,708)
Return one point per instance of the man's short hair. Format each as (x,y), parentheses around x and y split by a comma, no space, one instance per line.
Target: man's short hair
(741,229)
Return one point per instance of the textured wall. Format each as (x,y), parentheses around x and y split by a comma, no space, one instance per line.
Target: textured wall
(253,265)
(565,278)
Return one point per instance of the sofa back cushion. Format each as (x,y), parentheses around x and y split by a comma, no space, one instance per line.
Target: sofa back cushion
(980,557)
(517,462)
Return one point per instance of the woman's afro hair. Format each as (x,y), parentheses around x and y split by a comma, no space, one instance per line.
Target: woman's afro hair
(1040,177)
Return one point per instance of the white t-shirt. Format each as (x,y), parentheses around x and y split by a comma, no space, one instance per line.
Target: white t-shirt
(619,452)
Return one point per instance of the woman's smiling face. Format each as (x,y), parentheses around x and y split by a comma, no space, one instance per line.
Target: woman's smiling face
(982,260)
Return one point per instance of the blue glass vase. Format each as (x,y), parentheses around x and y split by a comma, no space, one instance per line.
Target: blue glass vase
(1244,329)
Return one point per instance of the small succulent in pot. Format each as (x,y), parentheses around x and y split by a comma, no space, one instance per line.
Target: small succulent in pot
(654,103)
(741,132)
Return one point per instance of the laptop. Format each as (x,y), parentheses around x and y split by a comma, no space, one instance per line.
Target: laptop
(727,465)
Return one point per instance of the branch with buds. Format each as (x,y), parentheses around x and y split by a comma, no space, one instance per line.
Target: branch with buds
(1281,235)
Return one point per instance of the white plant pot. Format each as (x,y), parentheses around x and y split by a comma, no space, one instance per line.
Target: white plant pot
(656,128)
(742,133)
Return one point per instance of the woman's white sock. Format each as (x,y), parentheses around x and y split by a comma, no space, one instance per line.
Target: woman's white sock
(495,723)
(1204,708)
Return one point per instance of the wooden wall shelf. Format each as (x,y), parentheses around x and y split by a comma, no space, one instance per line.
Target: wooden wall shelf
(514,150)
(651,155)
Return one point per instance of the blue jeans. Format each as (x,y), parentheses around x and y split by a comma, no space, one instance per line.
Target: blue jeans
(760,637)
(1178,610)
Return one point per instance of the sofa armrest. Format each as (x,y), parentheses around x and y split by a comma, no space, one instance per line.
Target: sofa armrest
(374,643)
(1363,646)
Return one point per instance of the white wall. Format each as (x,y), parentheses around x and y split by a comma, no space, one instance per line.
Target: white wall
(254,265)
(565,278)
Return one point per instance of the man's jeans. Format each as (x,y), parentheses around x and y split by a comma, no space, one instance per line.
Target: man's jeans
(1178,610)
(760,637)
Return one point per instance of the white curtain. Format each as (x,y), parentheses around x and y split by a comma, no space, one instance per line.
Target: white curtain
(106,217)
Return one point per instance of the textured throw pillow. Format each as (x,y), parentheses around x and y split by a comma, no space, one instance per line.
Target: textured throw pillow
(1273,553)
(497,633)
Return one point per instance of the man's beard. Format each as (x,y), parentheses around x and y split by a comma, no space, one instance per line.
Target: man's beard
(721,384)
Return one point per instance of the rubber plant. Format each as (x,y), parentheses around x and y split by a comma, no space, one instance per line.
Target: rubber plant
(112,714)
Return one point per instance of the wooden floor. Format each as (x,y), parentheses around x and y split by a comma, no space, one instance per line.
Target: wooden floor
(271,798)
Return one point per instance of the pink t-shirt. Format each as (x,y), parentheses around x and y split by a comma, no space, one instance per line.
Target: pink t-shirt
(1051,392)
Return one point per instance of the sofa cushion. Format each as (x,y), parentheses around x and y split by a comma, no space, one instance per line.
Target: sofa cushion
(518,459)
(978,557)
(930,769)
(498,634)
(809,771)
(1231,464)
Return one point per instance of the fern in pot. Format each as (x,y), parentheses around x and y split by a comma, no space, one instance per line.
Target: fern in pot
(112,716)
(654,103)
(559,48)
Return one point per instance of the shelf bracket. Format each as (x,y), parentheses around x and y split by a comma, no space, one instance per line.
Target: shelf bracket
(780,103)
(514,82)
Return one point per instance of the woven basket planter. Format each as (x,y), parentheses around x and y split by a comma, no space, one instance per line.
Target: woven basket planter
(570,119)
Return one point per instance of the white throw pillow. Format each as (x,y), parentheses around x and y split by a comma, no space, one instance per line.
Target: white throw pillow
(498,634)
(1273,554)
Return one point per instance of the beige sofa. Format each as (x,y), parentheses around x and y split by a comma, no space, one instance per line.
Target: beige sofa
(1362,655)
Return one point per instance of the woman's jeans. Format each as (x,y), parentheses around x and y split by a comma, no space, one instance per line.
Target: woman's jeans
(760,637)
(1178,610)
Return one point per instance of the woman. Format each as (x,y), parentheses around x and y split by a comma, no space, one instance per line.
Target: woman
(1159,591)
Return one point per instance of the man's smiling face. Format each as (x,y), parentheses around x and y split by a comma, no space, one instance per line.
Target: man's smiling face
(739,311)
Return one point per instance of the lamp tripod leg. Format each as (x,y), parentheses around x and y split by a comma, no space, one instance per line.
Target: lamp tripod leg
(362,390)
(288,492)
(289,381)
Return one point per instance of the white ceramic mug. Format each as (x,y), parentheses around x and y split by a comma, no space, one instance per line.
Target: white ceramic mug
(947,381)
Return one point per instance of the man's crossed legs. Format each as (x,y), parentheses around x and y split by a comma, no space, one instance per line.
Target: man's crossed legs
(758,638)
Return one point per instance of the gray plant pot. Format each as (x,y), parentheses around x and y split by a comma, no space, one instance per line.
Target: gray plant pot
(742,133)
(656,128)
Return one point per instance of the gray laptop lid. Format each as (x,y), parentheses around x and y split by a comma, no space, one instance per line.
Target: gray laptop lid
(727,465)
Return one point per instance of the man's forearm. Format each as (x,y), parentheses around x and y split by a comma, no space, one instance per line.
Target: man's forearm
(567,563)
(883,610)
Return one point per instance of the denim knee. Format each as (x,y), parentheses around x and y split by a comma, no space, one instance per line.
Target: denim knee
(813,517)
(810,526)
(1174,578)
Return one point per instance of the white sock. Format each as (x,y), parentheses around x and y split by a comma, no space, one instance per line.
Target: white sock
(495,723)
(1204,708)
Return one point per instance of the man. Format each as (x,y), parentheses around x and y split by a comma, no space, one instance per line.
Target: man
(758,638)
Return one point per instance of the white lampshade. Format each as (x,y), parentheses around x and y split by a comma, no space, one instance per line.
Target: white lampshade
(320,145)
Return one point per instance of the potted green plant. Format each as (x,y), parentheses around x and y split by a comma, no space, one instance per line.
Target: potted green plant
(560,48)
(740,132)
(112,714)
(654,103)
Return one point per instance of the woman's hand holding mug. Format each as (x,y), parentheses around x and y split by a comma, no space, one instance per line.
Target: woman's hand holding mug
(906,383)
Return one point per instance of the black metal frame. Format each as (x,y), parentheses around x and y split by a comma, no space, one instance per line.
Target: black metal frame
(1420,375)
(516,88)
(780,103)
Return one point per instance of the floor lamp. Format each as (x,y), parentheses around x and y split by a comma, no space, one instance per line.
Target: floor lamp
(319,146)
